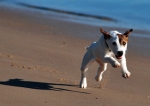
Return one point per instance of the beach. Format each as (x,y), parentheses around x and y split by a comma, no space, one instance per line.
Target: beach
(41,57)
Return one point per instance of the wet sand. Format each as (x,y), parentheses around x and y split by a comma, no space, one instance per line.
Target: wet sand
(41,57)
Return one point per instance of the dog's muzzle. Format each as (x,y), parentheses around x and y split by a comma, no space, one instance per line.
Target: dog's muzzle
(119,54)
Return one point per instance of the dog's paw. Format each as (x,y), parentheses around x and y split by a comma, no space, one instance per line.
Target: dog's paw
(97,78)
(116,64)
(126,75)
(83,83)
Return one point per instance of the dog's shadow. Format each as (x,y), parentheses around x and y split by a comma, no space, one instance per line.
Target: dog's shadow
(39,85)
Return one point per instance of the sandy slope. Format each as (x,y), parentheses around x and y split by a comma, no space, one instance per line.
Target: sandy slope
(40,62)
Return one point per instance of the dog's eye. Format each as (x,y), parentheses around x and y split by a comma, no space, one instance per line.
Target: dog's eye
(114,43)
(124,43)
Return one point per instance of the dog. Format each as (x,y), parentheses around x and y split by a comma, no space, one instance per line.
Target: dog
(110,48)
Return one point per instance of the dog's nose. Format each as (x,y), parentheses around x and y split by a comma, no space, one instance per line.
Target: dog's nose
(120,53)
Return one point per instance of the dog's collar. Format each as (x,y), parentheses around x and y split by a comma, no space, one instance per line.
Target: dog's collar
(107,45)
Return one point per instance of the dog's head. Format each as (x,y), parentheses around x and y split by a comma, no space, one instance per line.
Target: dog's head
(116,41)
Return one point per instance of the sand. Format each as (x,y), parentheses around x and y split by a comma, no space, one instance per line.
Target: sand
(40,64)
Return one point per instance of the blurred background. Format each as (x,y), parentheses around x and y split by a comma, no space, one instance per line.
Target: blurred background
(116,13)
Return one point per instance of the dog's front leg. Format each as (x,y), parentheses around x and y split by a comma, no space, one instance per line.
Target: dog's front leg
(112,61)
(125,72)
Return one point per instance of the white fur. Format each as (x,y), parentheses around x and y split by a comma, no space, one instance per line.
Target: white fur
(100,52)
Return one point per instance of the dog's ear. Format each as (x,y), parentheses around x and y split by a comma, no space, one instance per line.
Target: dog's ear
(128,32)
(106,34)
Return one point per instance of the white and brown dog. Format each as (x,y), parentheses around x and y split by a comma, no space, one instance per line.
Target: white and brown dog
(110,48)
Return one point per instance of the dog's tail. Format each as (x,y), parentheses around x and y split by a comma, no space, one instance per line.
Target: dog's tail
(87,47)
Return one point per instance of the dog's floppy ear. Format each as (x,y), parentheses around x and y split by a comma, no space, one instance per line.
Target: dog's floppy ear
(128,32)
(106,34)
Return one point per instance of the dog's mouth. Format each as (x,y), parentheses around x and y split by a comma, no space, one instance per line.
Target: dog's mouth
(118,57)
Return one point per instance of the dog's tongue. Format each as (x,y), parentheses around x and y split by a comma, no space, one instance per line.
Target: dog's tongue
(119,57)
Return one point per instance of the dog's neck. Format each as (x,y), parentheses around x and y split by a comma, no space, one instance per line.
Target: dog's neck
(107,44)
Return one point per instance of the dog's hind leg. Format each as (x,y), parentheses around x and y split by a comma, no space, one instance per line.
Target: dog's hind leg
(101,70)
(87,59)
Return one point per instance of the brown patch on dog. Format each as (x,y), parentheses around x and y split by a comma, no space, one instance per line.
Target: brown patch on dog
(106,34)
(128,32)
(123,39)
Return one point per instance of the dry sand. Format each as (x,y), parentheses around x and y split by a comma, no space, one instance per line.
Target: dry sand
(40,59)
